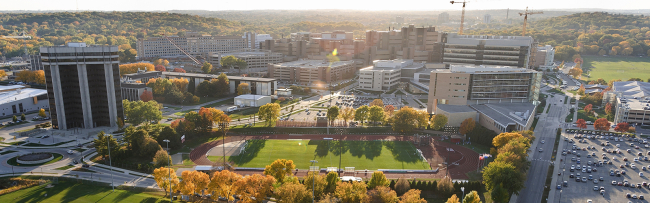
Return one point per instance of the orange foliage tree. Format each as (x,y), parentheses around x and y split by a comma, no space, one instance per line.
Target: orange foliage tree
(601,124)
(179,70)
(146,96)
(255,186)
(160,68)
(31,76)
(467,126)
(581,123)
(622,127)
(134,67)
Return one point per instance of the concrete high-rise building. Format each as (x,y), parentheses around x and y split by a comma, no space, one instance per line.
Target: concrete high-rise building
(487,18)
(309,71)
(254,39)
(407,43)
(35,62)
(443,18)
(385,74)
(544,57)
(83,85)
(193,43)
(484,50)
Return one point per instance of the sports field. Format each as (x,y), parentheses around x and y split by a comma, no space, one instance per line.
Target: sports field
(71,192)
(616,67)
(369,155)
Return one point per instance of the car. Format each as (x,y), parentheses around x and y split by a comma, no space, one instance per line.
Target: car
(85,166)
(75,161)
(595,181)
(628,195)
(571,176)
(624,158)
(584,179)
(641,197)
(169,119)
(591,177)
(614,182)
(542,141)
(70,151)
(540,149)
(601,178)
(596,188)
(640,174)
(559,187)
(577,179)
(565,183)
(634,196)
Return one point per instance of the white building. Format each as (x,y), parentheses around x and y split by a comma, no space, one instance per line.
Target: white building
(632,102)
(16,100)
(544,57)
(252,100)
(487,18)
(384,74)
(485,50)
(193,43)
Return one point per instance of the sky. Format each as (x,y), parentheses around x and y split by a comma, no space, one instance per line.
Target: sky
(215,5)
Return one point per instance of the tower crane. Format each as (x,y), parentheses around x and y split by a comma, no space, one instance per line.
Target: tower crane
(462,17)
(187,54)
(23,36)
(525,14)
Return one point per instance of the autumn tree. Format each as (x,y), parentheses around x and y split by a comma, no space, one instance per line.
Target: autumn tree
(505,174)
(412,196)
(402,186)
(503,138)
(319,182)
(193,182)
(347,114)
(362,113)
(243,88)
(601,124)
(453,199)
(41,113)
(390,110)
(165,177)
(279,169)
(376,114)
(161,62)
(382,194)
(222,184)
(622,127)
(472,197)
(146,96)
(179,70)
(160,68)
(332,178)
(378,179)
(293,192)
(254,188)
(28,76)
(581,91)
(588,109)
(3,74)
(269,113)
(581,123)
(575,72)
(161,158)
(439,121)
(377,102)
(609,110)
(467,126)
(206,67)
(350,192)
(134,67)
(445,186)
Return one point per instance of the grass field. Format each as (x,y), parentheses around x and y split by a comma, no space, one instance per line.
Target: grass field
(70,192)
(370,155)
(609,68)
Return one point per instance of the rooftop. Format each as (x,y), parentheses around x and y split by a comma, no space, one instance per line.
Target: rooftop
(454,38)
(314,63)
(455,108)
(482,69)
(507,113)
(14,95)
(633,94)
(247,53)
(250,96)
(10,87)
(201,75)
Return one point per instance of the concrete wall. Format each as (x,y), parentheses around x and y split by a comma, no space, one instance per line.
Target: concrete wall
(455,119)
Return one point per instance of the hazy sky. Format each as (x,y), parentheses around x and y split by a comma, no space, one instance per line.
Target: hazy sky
(125,5)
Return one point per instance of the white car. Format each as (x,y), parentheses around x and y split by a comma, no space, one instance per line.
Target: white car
(542,141)
(70,151)
(540,149)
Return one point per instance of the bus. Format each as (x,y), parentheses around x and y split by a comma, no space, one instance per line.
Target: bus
(231,109)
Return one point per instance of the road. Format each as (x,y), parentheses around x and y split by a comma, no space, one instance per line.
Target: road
(546,130)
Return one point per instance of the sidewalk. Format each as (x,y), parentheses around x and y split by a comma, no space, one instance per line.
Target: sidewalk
(126,171)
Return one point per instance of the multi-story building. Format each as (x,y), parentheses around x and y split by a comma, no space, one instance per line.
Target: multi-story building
(487,18)
(193,43)
(260,86)
(255,39)
(255,58)
(484,50)
(83,85)
(17,100)
(35,62)
(443,18)
(632,101)
(544,57)
(386,74)
(407,43)
(399,19)
(132,90)
(309,71)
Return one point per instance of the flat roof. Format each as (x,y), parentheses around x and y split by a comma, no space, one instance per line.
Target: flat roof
(201,75)
(314,63)
(635,93)
(11,87)
(483,69)
(250,96)
(9,96)
(455,108)
(506,113)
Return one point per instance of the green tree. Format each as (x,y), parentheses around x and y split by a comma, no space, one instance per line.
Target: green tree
(378,179)
(279,169)
(472,197)
(222,85)
(14,118)
(505,174)
(467,126)
(138,112)
(439,121)
(149,147)
(206,67)
(362,113)
(499,194)
(269,113)
(332,114)
(376,114)
(22,117)
(161,159)
(332,178)
(102,142)
(320,184)
(243,88)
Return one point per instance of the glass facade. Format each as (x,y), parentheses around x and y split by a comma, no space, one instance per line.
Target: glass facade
(501,86)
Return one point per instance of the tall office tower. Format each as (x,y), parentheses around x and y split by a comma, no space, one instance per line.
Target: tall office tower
(83,85)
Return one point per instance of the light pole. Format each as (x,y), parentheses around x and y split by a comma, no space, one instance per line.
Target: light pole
(108,142)
(170,172)
(223,127)
(340,149)
(462,189)
(313,181)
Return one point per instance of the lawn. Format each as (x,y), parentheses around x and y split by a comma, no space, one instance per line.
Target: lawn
(246,113)
(64,167)
(592,118)
(370,155)
(227,101)
(182,113)
(609,68)
(57,157)
(71,192)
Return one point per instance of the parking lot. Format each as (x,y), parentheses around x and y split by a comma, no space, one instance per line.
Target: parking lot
(342,101)
(603,167)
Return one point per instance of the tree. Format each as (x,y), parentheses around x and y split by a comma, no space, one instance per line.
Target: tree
(362,113)
(377,102)
(622,127)
(222,184)
(179,70)
(351,192)
(581,91)
(517,159)
(505,174)
(102,142)
(445,186)
(139,111)
(28,76)
(467,126)
(3,74)
(180,83)
(146,96)
(14,118)
(378,179)
(412,196)
(602,52)
(269,113)
(500,194)
(635,79)
(575,72)
(160,68)
(439,121)
(402,186)
(134,67)
(255,186)
(376,114)
(41,113)
(332,178)
(161,62)
(588,109)
(382,194)
(149,147)
(390,110)
(503,138)
(329,198)
(279,169)
(222,84)
(204,89)
(193,182)
(404,120)
(293,192)
(453,199)
(319,182)
(243,88)
(164,177)
(206,67)
(347,114)
(581,123)
(601,124)
(161,158)
(472,197)
(332,114)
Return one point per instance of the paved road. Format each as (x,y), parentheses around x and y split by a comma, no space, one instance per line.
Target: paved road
(546,130)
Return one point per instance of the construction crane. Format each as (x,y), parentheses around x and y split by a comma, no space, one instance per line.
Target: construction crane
(462,17)
(525,14)
(187,54)
(23,36)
